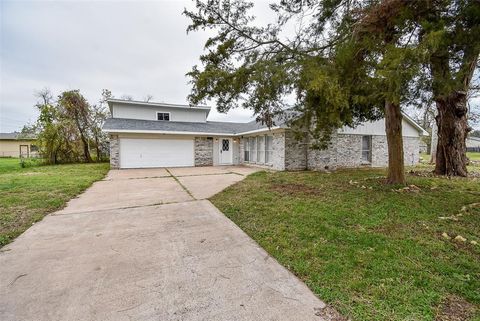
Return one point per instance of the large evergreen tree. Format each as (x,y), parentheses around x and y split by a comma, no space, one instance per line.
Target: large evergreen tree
(451,32)
(380,29)
(346,63)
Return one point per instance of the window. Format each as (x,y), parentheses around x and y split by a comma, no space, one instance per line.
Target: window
(247,150)
(366,149)
(253,149)
(163,116)
(225,145)
(33,148)
(260,149)
(268,149)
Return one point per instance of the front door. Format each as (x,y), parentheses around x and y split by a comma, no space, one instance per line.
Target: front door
(225,151)
(24,151)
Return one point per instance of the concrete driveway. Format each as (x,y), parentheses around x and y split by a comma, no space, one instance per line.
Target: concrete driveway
(146,245)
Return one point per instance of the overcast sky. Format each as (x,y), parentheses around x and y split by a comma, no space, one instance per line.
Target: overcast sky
(132,48)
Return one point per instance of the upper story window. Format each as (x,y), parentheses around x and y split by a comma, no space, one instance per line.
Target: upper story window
(163,116)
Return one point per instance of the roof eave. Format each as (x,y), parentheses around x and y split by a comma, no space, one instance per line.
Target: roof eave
(420,129)
(166,132)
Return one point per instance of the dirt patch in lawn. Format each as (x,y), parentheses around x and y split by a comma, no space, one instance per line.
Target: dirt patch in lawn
(293,189)
(454,308)
(13,219)
(329,313)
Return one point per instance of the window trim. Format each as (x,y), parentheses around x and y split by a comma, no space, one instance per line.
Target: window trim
(164,112)
(256,146)
(369,150)
(268,150)
(253,149)
(260,149)
(246,150)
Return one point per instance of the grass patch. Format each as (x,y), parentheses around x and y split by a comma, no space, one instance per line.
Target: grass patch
(28,194)
(474,156)
(9,164)
(373,251)
(471,156)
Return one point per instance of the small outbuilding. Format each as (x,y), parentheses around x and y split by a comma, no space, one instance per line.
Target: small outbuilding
(473,144)
(17,145)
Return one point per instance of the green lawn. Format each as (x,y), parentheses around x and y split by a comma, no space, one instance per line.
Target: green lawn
(471,156)
(9,164)
(28,194)
(372,251)
(474,156)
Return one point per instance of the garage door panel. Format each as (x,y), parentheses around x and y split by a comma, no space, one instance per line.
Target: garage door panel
(142,153)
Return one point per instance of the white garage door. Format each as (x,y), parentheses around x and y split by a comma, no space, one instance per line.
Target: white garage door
(139,153)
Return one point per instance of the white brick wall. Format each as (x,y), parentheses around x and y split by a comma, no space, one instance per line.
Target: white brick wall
(114,151)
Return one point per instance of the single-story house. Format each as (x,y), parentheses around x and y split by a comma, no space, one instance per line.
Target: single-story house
(473,144)
(17,145)
(147,134)
(423,147)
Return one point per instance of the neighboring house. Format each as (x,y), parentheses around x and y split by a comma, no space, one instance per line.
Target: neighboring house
(16,145)
(145,134)
(423,147)
(473,144)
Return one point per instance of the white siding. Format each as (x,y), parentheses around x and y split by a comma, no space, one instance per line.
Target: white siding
(150,113)
(378,128)
(473,142)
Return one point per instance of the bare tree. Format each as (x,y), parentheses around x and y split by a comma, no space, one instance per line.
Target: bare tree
(98,116)
(127,97)
(76,108)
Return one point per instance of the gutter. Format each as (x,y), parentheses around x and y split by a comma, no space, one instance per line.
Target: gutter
(169,132)
(165,132)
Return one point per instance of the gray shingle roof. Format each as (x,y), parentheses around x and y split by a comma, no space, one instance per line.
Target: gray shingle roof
(14,136)
(8,135)
(112,124)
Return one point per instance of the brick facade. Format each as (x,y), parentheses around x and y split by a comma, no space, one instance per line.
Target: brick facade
(278,151)
(291,154)
(344,150)
(411,150)
(295,152)
(114,152)
(203,151)
(278,146)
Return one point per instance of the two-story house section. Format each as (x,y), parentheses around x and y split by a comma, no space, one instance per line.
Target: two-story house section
(147,134)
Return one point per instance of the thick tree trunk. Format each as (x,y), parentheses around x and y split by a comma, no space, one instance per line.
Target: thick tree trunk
(86,151)
(393,126)
(83,138)
(452,133)
(97,148)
